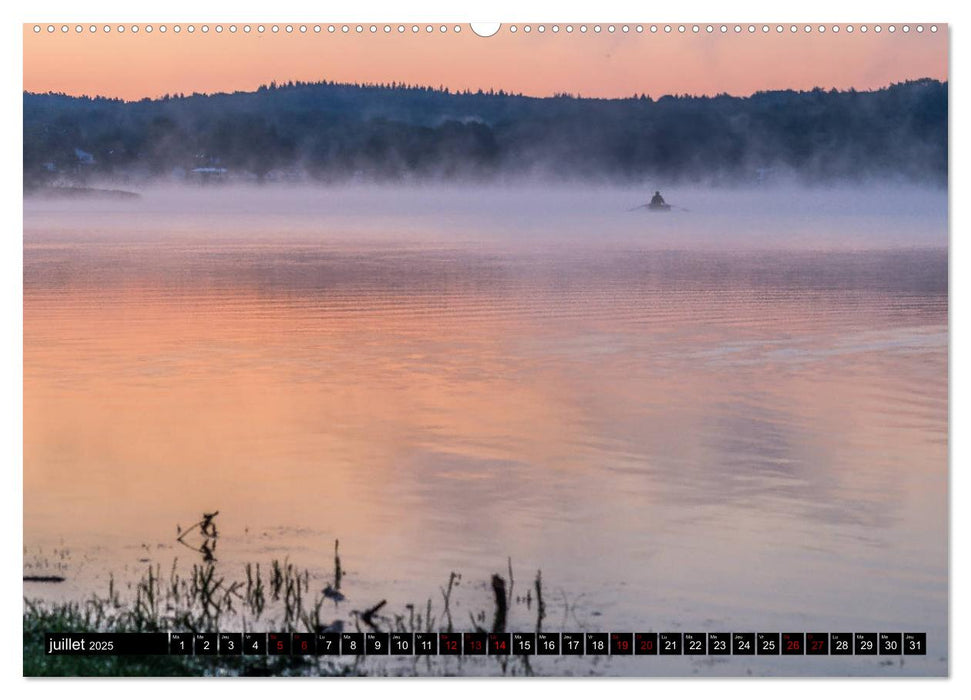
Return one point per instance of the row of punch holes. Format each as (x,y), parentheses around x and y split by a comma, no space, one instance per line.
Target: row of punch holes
(513,28)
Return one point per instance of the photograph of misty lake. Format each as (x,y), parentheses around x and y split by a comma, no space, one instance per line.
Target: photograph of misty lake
(326,358)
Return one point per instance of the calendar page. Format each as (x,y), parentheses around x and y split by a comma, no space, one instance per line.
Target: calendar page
(515,349)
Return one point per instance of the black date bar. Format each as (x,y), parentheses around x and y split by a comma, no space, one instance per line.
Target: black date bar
(105,643)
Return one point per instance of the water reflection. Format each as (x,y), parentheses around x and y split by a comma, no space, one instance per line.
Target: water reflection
(627,420)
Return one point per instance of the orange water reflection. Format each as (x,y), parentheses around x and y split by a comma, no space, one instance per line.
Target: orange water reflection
(731,434)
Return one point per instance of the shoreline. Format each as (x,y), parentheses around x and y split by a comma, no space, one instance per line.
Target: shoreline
(51,192)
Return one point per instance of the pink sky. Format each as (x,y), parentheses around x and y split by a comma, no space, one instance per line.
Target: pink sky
(133,66)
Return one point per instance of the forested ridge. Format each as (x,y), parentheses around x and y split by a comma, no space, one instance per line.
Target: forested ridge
(335,132)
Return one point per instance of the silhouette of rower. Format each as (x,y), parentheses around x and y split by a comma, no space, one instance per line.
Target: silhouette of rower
(657,200)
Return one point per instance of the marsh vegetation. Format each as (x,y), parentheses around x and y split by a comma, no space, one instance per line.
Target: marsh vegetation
(279,597)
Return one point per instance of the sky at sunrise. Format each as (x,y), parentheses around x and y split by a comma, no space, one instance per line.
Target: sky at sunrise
(151,64)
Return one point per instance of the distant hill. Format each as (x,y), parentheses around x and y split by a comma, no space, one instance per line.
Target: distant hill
(336,132)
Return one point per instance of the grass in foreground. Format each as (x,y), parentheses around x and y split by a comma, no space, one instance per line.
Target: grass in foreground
(280,597)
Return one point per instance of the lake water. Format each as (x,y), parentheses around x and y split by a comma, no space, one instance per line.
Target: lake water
(731,417)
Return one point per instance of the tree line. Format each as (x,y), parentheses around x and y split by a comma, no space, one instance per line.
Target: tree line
(334,132)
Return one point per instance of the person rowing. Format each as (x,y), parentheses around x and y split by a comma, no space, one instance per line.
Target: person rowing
(657,203)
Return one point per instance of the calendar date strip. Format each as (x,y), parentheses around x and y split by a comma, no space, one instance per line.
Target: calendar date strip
(489,644)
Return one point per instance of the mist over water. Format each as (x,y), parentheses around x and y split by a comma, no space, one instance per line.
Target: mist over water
(730,416)
(522,215)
